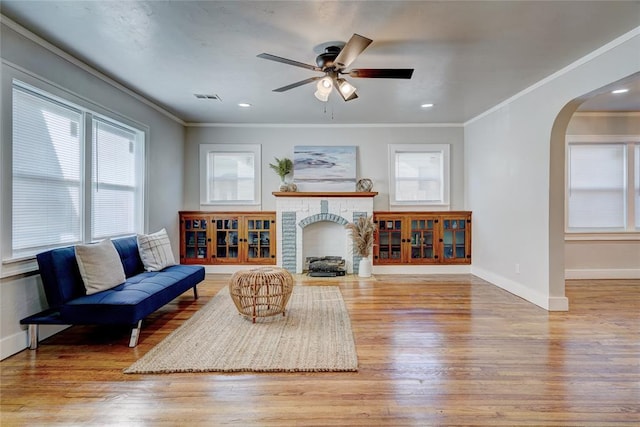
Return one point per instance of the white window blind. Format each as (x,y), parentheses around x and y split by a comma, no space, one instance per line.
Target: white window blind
(47,167)
(419,174)
(419,177)
(597,188)
(230,174)
(116,207)
(57,198)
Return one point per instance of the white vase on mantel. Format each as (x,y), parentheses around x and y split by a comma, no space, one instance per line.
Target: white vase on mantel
(364,267)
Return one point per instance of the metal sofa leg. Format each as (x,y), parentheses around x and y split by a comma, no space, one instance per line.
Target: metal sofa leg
(195,292)
(135,334)
(33,336)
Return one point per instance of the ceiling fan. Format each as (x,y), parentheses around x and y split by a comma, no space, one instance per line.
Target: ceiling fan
(333,63)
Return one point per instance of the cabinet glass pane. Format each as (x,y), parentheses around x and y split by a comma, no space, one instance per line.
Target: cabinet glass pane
(448,243)
(190,238)
(264,238)
(253,238)
(250,224)
(233,238)
(202,238)
(396,238)
(266,225)
(460,244)
(384,253)
(191,253)
(202,252)
(384,238)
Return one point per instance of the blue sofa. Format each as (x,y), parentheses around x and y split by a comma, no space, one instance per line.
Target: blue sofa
(141,294)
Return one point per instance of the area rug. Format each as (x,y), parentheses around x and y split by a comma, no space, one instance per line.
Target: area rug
(314,336)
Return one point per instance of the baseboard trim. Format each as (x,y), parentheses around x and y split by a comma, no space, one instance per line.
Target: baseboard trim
(377,269)
(602,273)
(547,302)
(421,269)
(20,341)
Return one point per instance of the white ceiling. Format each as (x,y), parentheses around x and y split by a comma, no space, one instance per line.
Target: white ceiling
(467,56)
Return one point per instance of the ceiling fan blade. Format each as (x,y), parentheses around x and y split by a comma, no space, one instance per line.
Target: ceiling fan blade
(382,73)
(300,83)
(288,61)
(351,50)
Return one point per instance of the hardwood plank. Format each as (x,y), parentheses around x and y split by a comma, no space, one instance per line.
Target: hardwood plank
(433,350)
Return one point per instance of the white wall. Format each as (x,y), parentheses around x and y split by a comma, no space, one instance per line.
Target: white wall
(372,143)
(598,258)
(22,295)
(515,186)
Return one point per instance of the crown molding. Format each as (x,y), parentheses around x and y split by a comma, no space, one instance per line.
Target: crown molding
(324,125)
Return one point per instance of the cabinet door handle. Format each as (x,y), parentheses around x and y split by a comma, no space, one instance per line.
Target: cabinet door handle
(440,240)
(208,240)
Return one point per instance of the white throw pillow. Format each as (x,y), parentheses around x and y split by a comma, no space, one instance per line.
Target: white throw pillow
(155,250)
(100,266)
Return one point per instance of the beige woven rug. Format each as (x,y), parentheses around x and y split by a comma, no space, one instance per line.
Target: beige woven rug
(314,336)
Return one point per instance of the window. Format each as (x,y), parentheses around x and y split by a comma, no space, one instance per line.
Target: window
(602,184)
(419,174)
(230,174)
(116,182)
(50,177)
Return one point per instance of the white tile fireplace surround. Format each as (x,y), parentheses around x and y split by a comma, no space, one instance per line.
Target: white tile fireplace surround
(324,213)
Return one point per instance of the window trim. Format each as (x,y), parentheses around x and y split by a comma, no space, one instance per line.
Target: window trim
(206,149)
(631,229)
(444,149)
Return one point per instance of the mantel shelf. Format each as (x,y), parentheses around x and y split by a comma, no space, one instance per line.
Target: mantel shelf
(325,194)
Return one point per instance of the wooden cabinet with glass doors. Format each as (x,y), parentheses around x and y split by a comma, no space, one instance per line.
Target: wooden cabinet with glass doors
(422,238)
(227,238)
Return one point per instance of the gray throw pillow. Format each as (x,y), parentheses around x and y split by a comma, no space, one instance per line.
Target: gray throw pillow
(155,250)
(100,266)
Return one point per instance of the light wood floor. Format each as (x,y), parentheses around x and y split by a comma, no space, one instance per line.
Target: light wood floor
(433,350)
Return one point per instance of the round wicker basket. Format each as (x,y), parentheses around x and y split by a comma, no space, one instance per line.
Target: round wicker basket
(261,292)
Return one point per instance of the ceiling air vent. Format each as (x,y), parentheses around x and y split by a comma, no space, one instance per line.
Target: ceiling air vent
(207,96)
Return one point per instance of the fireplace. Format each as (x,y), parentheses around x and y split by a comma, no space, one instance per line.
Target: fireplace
(297,211)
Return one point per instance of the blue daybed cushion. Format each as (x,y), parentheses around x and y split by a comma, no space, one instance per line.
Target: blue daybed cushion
(136,298)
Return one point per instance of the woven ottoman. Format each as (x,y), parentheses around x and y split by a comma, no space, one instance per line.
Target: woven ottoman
(261,292)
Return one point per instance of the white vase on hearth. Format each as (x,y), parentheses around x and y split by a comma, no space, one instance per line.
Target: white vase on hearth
(364,268)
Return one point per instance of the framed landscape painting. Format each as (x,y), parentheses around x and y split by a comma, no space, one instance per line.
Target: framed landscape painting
(324,168)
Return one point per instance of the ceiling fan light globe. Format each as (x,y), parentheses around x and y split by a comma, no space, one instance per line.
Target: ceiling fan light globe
(346,88)
(322,96)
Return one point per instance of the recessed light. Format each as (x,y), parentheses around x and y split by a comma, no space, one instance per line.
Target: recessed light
(244,105)
(426,105)
(618,91)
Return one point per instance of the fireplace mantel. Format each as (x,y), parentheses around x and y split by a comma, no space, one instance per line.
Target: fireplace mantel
(325,194)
